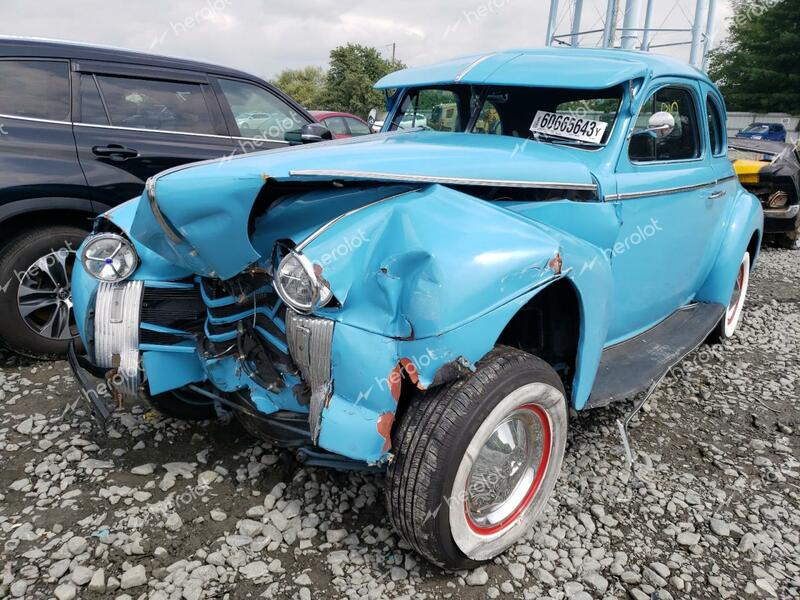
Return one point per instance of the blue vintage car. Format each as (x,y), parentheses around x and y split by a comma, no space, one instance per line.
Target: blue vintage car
(564,228)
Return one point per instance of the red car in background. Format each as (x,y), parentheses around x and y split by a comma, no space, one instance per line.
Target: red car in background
(341,125)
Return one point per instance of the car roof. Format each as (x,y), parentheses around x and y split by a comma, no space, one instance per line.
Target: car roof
(46,48)
(584,68)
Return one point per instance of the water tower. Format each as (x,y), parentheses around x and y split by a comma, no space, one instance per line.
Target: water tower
(637,29)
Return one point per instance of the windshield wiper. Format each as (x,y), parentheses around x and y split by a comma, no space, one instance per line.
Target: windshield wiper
(547,137)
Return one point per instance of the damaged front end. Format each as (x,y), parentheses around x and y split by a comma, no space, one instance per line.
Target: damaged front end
(312,312)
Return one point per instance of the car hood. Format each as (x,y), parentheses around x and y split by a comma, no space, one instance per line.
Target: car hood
(208,207)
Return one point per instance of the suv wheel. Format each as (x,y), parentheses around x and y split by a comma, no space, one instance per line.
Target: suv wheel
(35,293)
(475,462)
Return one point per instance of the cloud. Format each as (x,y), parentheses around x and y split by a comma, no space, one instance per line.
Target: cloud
(265,37)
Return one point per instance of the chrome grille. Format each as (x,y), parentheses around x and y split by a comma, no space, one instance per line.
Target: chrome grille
(116,332)
(310,340)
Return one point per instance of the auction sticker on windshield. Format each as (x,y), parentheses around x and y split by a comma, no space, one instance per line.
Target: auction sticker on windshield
(568,126)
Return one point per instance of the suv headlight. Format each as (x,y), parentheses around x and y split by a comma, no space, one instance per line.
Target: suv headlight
(109,257)
(298,285)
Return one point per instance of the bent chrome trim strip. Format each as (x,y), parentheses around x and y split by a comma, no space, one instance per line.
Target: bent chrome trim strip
(332,222)
(539,185)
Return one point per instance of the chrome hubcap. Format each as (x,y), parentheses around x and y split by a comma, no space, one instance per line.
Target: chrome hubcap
(44,296)
(507,469)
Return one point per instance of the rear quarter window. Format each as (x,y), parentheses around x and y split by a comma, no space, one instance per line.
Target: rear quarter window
(35,89)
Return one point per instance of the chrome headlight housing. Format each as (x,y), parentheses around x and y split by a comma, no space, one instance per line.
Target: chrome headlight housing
(297,284)
(109,257)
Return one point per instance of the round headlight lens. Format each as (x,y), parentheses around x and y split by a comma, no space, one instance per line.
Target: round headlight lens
(297,284)
(109,257)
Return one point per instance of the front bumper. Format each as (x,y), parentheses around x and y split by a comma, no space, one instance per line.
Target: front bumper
(781,220)
(92,394)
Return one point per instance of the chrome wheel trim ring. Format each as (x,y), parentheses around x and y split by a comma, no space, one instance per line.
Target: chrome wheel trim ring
(485,543)
(44,296)
(507,470)
(733,313)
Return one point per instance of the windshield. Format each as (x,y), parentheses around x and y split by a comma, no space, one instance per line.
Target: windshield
(579,117)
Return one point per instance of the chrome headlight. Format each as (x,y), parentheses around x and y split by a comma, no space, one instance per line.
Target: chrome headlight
(298,285)
(109,257)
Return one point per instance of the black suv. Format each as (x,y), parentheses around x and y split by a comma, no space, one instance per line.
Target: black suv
(81,129)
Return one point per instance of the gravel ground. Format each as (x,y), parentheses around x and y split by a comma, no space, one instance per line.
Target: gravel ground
(164,509)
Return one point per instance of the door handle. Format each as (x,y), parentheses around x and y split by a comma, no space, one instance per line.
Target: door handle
(717,195)
(115,151)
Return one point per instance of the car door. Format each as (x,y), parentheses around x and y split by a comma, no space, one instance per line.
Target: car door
(670,207)
(337,126)
(258,118)
(356,127)
(133,122)
(37,149)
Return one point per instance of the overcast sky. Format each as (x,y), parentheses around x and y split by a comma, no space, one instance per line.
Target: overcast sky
(264,37)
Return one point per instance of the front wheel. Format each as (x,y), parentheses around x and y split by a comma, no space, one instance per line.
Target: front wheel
(476,462)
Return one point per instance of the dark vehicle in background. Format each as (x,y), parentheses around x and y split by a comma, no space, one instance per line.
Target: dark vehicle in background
(774,132)
(81,129)
(341,125)
(771,171)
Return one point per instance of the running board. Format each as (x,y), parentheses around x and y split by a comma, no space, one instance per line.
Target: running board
(638,364)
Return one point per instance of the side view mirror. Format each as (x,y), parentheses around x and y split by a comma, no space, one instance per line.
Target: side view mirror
(661,124)
(314,132)
(372,116)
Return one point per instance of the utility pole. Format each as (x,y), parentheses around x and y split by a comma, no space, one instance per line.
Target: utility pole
(394,49)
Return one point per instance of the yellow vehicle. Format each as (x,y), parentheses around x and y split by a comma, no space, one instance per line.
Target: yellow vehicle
(771,171)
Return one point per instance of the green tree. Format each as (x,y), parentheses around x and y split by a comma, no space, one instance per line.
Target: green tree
(306,85)
(757,67)
(353,71)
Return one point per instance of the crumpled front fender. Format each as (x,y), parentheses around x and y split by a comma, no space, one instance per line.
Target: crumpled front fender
(427,261)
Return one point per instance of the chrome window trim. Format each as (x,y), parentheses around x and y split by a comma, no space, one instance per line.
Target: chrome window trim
(699,114)
(400,178)
(144,130)
(34,119)
(667,191)
(261,140)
